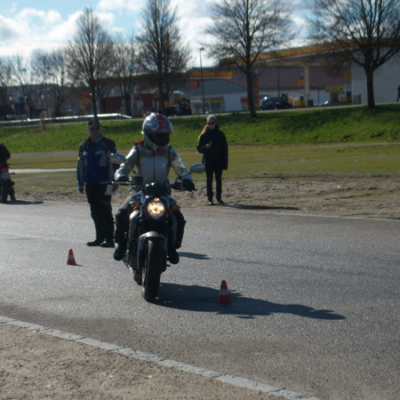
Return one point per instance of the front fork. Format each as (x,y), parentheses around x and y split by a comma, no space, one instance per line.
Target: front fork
(139,232)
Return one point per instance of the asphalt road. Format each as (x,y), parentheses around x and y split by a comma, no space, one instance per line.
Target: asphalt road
(315,300)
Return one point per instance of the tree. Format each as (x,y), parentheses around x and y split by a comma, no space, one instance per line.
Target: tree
(162,55)
(25,77)
(126,67)
(367,32)
(90,57)
(243,30)
(5,80)
(51,69)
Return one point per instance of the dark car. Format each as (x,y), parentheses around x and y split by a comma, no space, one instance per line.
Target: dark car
(184,109)
(274,103)
(329,103)
(178,110)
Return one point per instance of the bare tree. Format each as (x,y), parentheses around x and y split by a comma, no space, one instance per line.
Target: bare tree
(51,69)
(162,55)
(367,32)
(90,57)
(126,66)
(27,81)
(5,80)
(245,29)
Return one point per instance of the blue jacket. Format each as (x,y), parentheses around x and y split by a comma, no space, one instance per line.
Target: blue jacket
(94,165)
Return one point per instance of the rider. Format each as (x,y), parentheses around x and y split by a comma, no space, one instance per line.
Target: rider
(4,156)
(153,157)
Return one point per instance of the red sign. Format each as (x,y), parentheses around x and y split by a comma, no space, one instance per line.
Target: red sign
(194,84)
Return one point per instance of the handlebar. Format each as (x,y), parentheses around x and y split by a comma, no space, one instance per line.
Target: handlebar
(138,181)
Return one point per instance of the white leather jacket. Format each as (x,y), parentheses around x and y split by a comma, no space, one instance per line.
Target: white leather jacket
(153,167)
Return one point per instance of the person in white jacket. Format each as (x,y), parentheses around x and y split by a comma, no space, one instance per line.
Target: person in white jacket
(152,157)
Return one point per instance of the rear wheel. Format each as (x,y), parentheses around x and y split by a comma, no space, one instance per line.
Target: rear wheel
(4,191)
(152,268)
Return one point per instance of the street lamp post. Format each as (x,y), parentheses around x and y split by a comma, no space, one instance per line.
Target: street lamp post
(202,81)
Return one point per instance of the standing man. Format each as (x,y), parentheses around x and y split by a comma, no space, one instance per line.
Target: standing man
(398,93)
(96,171)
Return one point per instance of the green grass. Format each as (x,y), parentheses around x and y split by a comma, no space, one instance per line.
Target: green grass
(259,161)
(307,160)
(255,162)
(316,126)
(344,141)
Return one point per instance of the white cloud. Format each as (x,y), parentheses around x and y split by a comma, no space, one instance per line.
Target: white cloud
(31,16)
(300,5)
(8,29)
(31,29)
(65,30)
(118,5)
(27,30)
(193,19)
(299,22)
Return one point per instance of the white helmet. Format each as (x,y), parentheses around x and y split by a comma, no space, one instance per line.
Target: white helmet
(156,130)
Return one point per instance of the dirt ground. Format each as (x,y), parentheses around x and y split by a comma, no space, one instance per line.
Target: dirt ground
(36,366)
(369,196)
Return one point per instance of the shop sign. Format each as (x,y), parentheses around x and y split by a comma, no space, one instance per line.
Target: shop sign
(334,89)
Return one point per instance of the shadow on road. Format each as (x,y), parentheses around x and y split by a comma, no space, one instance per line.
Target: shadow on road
(257,207)
(194,256)
(22,202)
(204,299)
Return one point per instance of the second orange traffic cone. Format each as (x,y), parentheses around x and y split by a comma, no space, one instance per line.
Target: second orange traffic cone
(71,258)
(224,296)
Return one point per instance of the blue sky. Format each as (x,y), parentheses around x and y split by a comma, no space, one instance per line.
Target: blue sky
(26,25)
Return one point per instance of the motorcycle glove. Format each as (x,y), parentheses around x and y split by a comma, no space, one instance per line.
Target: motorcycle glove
(188,185)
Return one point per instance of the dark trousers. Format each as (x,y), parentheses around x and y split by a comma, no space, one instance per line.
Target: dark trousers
(122,225)
(218,181)
(101,211)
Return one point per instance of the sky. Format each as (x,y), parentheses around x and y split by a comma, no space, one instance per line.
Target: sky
(26,25)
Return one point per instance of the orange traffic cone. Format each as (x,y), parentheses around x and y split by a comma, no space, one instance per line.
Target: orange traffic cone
(71,258)
(224,296)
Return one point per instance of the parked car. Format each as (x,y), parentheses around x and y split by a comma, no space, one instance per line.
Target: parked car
(329,103)
(183,109)
(274,103)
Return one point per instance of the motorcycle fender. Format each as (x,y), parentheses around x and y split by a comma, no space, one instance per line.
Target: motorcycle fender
(142,241)
(133,223)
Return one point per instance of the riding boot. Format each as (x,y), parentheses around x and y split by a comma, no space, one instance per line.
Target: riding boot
(11,192)
(120,250)
(180,229)
(132,253)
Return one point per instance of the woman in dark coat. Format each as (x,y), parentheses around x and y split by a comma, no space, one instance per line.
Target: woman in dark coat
(214,147)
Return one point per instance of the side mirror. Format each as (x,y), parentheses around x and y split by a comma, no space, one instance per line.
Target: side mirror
(117,158)
(197,169)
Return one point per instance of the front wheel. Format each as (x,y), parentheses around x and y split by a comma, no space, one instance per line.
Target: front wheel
(4,191)
(152,268)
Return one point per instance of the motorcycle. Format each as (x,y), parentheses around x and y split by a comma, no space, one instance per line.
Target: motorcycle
(5,182)
(152,226)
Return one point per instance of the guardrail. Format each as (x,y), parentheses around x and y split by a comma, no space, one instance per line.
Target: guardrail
(55,120)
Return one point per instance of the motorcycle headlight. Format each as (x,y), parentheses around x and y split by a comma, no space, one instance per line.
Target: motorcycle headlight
(156,208)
